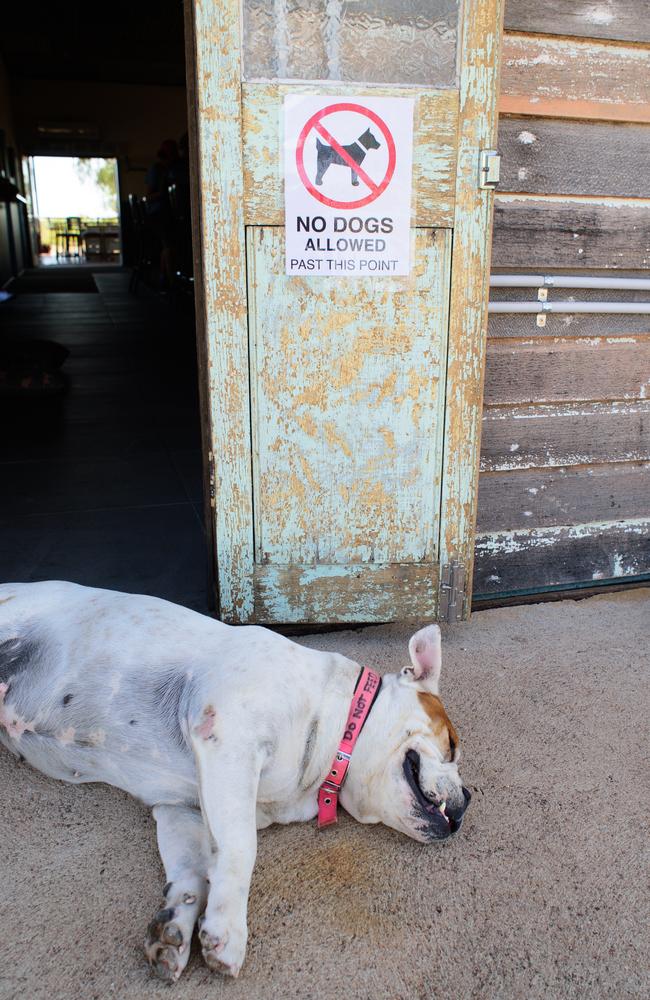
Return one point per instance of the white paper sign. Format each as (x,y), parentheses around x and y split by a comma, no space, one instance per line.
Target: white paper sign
(347,185)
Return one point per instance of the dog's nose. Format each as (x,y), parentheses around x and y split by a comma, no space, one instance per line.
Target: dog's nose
(456,812)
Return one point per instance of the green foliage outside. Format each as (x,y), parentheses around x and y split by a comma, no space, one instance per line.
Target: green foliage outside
(104,174)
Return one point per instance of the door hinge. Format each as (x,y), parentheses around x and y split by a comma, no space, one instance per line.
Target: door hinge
(489,170)
(211,480)
(451,596)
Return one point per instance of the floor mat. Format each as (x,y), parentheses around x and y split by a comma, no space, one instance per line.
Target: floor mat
(46,281)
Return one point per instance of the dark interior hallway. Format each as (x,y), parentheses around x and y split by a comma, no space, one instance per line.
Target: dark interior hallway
(101,476)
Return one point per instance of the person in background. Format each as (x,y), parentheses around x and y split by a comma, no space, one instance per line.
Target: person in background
(159,175)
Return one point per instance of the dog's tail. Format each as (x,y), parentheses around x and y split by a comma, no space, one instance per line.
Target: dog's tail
(321,145)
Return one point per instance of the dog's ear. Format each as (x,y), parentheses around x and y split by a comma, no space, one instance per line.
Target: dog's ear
(426,657)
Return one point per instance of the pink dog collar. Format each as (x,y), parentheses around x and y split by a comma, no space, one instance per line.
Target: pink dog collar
(365,692)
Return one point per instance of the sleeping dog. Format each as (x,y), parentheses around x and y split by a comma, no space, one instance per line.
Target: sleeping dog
(222,731)
(327,155)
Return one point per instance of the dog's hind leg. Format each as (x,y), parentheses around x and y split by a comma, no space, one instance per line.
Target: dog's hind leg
(355,178)
(184,848)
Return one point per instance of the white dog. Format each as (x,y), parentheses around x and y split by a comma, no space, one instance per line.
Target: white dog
(222,731)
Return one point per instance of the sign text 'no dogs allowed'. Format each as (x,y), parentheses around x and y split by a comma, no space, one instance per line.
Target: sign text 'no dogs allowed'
(347,184)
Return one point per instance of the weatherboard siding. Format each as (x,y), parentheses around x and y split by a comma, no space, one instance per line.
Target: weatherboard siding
(564,496)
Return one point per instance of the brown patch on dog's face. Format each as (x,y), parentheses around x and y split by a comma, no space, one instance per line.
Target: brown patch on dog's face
(441,725)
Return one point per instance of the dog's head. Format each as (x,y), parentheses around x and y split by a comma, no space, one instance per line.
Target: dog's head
(368,140)
(404,770)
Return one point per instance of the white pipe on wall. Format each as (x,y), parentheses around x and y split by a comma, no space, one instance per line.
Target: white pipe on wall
(569,307)
(566,281)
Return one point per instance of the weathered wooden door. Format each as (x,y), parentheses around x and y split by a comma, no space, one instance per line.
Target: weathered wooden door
(342,414)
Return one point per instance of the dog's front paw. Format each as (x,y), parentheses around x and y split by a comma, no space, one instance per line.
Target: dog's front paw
(223,944)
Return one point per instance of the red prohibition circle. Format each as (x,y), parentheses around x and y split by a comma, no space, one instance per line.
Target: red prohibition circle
(300,148)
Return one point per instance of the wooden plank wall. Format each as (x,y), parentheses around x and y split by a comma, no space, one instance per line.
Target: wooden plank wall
(564,494)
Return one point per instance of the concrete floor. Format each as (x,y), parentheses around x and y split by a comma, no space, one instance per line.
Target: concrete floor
(542,895)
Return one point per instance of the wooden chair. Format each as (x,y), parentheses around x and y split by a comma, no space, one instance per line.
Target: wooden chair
(144,259)
(59,231)
(179,208)
(73,236)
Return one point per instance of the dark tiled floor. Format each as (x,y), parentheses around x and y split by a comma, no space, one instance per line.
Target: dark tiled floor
(103,485)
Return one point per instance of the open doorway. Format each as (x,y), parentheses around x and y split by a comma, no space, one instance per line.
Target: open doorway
(101,454)
(75,209)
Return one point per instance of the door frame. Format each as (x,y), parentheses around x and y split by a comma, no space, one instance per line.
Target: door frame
(480,54)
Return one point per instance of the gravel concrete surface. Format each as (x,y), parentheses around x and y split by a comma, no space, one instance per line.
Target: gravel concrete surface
(542,894)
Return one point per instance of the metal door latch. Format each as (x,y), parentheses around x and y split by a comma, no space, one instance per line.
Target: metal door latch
(451,599)
(489,171)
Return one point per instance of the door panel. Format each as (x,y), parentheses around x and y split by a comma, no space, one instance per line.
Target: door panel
(326,593)
(347,417)
(435,131)
(412,42)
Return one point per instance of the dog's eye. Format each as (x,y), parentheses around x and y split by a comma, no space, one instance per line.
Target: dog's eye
(452,748)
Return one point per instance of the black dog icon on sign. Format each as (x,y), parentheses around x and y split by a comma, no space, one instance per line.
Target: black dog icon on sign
(356,151)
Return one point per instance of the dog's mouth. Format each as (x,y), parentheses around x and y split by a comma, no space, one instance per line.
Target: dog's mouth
(433,809)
